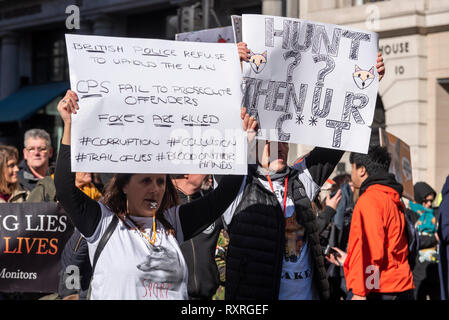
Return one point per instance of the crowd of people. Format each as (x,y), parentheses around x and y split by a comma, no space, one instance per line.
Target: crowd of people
(271,234)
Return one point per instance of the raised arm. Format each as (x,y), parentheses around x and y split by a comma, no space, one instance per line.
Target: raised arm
(243,53)
(198,215)
(320,163)
(84,212)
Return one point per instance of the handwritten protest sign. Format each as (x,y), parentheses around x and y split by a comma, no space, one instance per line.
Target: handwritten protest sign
(237,27)
(218,35)
(156,106)
(401,164)
(310,82)
(32,237)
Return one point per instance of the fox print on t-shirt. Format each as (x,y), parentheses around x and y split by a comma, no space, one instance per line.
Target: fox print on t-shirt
(294,238)
(296,277)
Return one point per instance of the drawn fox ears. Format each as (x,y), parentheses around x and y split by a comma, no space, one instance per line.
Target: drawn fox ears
(357,69)
(264,54)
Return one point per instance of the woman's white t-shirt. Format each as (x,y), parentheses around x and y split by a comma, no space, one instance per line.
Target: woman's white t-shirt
(129,269)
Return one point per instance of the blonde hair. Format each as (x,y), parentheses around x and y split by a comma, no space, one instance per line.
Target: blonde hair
(7,153)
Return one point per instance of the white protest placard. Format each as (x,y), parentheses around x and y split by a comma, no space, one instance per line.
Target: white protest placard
(156,106)
(214,35)
(310,82)
(237,27)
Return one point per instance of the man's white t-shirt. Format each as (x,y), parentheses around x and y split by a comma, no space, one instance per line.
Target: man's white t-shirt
(128,270)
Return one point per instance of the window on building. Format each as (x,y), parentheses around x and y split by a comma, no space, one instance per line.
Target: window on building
(151,24)
(444,83)
(226,8)
(49,64)
(362,2)
(49,57)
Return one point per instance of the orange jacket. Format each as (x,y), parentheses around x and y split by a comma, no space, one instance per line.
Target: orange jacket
(377,241)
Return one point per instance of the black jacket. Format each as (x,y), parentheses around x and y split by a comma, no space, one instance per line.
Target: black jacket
(259,223)
(75,255)
(199,254)
(257,232)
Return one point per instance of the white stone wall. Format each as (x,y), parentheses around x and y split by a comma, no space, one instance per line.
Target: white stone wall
(404,94)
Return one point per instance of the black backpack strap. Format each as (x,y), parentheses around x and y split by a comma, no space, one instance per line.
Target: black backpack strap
(104,239)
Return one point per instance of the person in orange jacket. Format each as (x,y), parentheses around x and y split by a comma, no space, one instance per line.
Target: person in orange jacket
(376,264)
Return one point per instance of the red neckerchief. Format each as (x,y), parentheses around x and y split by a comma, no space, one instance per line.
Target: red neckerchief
(285,189)
(5,196)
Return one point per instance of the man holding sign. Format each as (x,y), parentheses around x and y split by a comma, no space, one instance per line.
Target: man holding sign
(273,213)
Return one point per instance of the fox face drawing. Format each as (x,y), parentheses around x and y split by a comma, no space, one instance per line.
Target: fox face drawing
(363,78)
(257,61)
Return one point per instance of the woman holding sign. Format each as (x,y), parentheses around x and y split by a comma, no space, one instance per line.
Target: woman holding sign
(141,258)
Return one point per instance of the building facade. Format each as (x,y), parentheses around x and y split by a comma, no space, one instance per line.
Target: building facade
(414,41)
(33,60)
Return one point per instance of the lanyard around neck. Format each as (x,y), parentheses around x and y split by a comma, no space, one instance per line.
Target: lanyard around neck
(143,235)
(285,189)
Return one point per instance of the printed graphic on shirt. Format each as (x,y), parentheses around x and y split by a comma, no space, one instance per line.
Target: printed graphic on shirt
(294,232)
(296,277)
(130,268)
(209,229)
(160,264)
(161,270)
(294,237)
